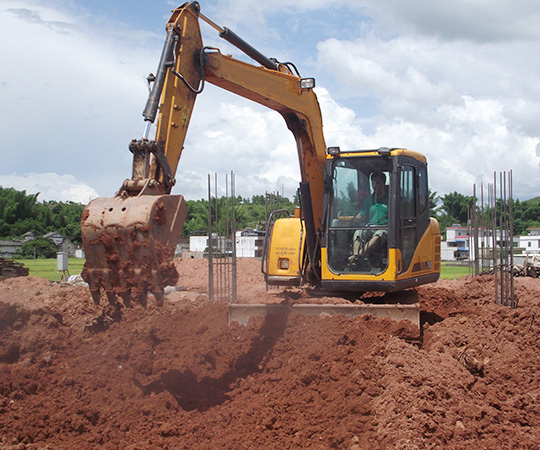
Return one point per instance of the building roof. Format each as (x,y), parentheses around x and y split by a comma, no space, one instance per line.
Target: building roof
(53,233)
(10,242)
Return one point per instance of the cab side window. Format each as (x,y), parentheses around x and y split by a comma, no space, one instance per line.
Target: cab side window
(408,197)
(408,213)
(423,192)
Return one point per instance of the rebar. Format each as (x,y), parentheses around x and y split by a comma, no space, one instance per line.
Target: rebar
(511,220)
(475,233)
(495,228)
(209,243)
(222,269)
(501,238)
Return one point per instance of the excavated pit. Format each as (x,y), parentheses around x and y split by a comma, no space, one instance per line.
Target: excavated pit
(181,377)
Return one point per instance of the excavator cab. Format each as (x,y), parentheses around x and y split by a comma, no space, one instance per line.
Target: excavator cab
(377,233)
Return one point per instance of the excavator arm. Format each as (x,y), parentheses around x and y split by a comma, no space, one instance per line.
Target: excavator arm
(129,240)
(271,84)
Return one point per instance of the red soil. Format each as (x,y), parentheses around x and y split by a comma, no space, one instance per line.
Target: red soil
(181,377)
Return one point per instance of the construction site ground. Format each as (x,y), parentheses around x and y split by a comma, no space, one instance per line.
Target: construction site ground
(181,377)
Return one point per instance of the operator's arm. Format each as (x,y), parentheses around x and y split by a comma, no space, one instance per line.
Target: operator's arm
(363,214)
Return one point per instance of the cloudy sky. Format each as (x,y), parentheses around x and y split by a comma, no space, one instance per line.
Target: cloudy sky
(458,81)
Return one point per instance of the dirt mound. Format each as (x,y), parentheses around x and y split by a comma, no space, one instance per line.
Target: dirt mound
(181,377)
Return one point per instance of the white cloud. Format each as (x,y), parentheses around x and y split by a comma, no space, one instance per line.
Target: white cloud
(79,104)
(461,89)
(50,186)
(227,134)
(460,103)
(72,100)
(479,20)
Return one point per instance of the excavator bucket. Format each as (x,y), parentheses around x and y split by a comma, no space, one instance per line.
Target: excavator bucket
(129,245)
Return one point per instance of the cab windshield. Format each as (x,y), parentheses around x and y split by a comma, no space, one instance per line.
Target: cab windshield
(358,216)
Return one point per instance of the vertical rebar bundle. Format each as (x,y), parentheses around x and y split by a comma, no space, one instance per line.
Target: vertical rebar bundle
(222,270)
(475,233)
(495,229)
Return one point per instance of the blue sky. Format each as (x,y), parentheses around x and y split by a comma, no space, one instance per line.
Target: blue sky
(457,81)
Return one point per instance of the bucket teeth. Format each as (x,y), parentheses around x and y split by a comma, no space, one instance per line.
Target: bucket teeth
(96,296)
(129,246)
(159,295)
(126,299)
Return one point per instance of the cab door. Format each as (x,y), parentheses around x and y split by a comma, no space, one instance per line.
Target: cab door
(413,207)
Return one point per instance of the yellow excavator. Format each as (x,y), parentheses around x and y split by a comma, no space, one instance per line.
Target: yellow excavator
(363,224)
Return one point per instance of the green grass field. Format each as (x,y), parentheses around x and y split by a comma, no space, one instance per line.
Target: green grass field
(449,272)
(46,268)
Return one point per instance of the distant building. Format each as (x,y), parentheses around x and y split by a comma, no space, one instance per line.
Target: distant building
(9,247)
(531,242)
(29,236)
(456,245)
(200,243)
(182,247)
(249,244)
(459,244)
(63,243)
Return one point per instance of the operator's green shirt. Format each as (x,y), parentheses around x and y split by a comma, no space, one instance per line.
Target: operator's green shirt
(376,209)
(378,214)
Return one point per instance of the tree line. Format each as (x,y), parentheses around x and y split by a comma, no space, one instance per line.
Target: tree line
(21,213)
(455,208)
(249,212)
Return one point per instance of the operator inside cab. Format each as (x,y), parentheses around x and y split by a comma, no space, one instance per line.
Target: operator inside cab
(373,213)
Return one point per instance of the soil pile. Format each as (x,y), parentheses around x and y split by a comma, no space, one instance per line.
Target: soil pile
(181,377)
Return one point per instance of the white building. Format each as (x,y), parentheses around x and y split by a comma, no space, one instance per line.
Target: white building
(249,244)
(456,246)
(63,243)
(460,246)
(9,247)
(200,243)
(530,243)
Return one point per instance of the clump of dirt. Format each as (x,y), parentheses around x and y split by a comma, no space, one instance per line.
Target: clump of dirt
(181,377)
